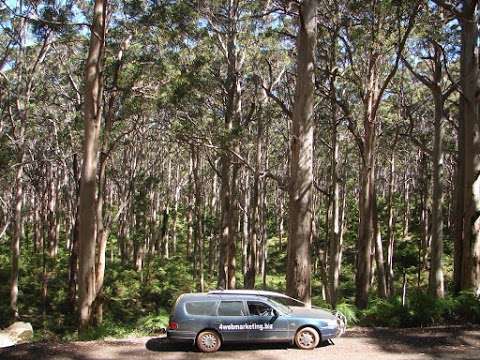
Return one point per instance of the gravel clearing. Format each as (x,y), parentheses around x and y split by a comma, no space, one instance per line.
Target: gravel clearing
(357,344)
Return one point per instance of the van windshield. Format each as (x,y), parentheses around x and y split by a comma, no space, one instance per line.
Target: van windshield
(283,308)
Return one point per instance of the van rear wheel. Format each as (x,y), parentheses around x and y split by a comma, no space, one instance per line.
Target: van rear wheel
(307,338)
(208,341)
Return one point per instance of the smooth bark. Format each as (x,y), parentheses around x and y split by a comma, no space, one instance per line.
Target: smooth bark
(88,188)
(301,166)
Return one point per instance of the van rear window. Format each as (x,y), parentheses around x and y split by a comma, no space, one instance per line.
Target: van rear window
(204,308)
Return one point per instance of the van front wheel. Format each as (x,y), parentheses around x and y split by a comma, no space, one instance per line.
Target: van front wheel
(208,341)
(307,338)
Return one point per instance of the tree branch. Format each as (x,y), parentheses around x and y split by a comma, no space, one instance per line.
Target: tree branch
(401,45)
(450,7)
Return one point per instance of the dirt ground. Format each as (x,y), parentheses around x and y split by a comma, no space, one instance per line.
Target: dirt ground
(357,344)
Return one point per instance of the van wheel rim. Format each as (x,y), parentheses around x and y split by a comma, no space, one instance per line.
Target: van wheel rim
(208,341)
(306,339)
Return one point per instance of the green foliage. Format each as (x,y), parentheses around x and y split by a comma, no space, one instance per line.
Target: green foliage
(118,328)
(108,329)
(467,306)
(169,279)
(317,299)
(350,312)
(278,255)
(154,322)
(422,310)
(382,312)
(135,303)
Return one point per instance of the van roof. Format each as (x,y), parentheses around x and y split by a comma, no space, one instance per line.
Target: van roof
(218,296)
(249,292)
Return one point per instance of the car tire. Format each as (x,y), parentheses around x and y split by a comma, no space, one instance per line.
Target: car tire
(208,341)
(307,338)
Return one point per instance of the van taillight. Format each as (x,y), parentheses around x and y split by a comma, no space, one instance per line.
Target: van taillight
(172,325)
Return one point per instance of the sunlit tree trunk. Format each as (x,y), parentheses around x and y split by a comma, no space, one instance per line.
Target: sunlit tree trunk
(434,83)
(229,168)
(334,226)
(73,261)
(435,284)
(92,119)
(198,227)
(301,166)
(372,98)
(17,228)
(381,276)
(390,226)
(255,209)
(467,243)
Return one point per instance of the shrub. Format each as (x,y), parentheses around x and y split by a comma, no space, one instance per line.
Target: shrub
(381,312)
(350,312)
(422,310)
(467,307)
(154,322)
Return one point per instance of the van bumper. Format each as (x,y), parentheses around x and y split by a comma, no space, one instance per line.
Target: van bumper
(179,335)
(327,334)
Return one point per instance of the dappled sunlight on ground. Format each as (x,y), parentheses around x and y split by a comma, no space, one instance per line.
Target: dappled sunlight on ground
(358,344)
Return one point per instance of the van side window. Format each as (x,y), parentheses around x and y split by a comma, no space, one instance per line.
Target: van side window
(231,308)
(203,308)
(257,308)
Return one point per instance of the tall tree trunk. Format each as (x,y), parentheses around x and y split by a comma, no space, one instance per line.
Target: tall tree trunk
(103,225)
(229,171)
(190,204)
(234,217)
(280,218)
(176,199)
(255,207)
(366,202)
(37,231)
(73,261)
(92,120)
(434,83)
(334,248)
(263,227)
(406,204)
(17,229)
(372,98)
(468,245)
(381,276)
(19,136)
(198,228)
(425,203)
(435,284)
(390,226)
(213,239)
(301,167)
(51,214)
(225,203)
(101,239)
(164,231)
(246,228)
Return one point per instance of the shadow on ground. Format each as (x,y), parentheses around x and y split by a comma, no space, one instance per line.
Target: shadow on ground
(162,344)
(439,342)
(41,351)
